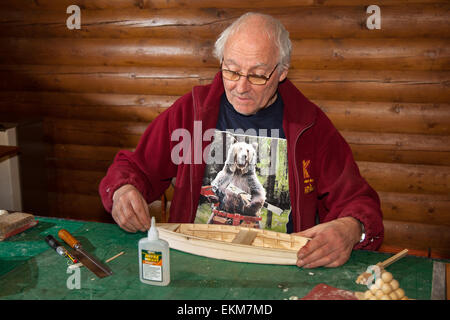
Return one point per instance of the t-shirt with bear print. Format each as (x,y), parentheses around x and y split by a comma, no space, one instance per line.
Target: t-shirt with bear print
(246,176)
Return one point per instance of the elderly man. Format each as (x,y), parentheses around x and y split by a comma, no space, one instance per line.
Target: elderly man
(328,201)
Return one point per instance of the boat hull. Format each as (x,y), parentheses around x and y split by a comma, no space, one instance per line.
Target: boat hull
(216,242)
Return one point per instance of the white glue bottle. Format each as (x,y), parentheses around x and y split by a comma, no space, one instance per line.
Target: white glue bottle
(154,259)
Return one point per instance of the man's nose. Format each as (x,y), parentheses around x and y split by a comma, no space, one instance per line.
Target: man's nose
(242,85)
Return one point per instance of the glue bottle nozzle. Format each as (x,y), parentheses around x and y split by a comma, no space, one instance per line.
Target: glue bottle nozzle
(153,233)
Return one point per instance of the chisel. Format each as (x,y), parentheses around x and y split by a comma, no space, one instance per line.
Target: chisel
(85,258)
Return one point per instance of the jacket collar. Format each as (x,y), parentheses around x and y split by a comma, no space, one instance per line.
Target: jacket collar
(299,112)
(207,101)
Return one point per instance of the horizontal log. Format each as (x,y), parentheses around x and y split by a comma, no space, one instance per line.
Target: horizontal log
(400,178)
(81,157)
(115,113)
(83,152)
(100,126)
(77,206)
(109,52)
(107,153)
(67,136)
(153,4)
(389,154)
(85,99)
(380,147)
(423,118)
(123,80)
(397,142)
(388,177)
(398,86)
(67,184)
(427,209)
(86,183)
(75,181)
(406,178)
(362,144)
(435,238)
(393,86)
(399,148)
(79,177)
(60,131)
(412,21)
(389,117)
(342,54)
(371,54)
(420,208)
(414,118)
(77,164)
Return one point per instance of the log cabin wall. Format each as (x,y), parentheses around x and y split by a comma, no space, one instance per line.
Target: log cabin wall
(97,89)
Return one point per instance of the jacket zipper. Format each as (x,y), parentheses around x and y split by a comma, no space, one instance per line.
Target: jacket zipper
(297,175)
(191,169)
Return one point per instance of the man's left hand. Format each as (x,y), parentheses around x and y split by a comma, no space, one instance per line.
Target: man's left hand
(331,243)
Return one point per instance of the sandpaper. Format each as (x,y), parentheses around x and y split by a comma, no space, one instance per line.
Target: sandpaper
(14,223)
(326,292)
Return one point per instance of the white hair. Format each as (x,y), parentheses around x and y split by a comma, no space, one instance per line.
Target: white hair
(273,28)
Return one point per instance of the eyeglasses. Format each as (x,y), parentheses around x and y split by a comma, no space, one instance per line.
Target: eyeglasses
(252,78)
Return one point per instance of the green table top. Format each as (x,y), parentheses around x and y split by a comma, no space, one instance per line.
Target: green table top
(30,269)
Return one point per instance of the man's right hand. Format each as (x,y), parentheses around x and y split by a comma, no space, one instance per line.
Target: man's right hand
(130,210)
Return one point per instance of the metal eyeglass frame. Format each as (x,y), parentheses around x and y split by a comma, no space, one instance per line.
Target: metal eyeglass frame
(249,75)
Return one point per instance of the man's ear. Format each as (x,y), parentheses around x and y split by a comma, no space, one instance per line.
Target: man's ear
(283,74)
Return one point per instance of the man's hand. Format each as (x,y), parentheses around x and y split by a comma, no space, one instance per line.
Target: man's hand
(331,245)
(130,210)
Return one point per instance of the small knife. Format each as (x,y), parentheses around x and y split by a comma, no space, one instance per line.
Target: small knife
(85,258)
(53,243)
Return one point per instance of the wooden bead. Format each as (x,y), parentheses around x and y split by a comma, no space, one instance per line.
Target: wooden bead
(379,294)
(386,288)
(394,284)
(368,294)
(373,288)
(379,283)
(385,297)
(386,276)
(393,295)
(400,293)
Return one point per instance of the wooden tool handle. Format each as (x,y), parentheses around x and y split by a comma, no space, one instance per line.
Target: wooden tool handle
(68,238)
(392,259)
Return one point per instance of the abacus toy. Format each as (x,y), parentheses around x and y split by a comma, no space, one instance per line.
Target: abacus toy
(385,288)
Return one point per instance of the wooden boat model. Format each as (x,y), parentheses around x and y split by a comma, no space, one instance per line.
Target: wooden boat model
(233,243)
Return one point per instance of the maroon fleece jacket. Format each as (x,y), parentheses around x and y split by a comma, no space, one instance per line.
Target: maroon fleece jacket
(331,187)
